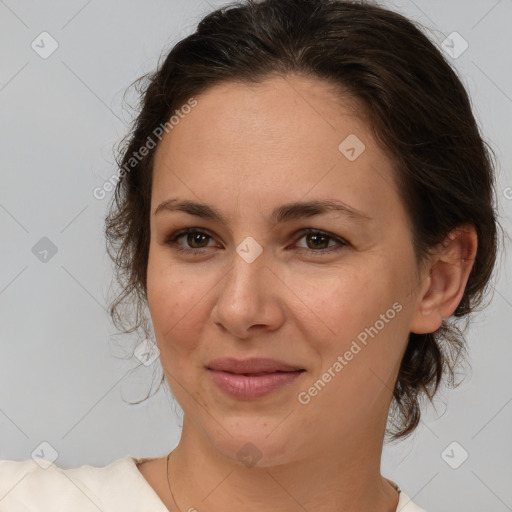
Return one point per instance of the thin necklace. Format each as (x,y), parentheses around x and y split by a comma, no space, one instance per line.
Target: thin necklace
(397,489)
(169,483)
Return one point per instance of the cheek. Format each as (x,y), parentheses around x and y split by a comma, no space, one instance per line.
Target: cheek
(176,301)
(361,314)
(369,333)
(343,302)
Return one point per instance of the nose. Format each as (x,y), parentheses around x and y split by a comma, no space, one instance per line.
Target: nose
(248,296)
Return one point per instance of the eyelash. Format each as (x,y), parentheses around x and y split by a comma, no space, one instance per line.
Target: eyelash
(171,241)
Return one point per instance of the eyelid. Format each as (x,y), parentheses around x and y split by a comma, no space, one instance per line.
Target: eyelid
(171,240)
(306,231)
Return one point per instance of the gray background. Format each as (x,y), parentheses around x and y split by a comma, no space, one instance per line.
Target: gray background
(61,378)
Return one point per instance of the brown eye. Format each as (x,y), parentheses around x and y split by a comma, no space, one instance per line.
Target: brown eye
(318,241)
(194,238)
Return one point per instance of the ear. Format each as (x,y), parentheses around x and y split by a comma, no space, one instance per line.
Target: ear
(444,286)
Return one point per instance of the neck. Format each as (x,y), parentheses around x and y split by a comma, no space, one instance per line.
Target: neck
(345,477)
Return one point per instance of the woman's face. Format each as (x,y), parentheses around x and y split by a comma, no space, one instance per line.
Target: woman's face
(337,303)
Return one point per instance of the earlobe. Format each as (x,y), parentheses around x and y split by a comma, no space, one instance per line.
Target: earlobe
(448,275)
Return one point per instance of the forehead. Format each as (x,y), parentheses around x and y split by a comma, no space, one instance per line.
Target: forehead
(285,138)
(278,114)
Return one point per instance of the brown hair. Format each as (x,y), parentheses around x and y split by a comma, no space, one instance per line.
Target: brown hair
(419,112)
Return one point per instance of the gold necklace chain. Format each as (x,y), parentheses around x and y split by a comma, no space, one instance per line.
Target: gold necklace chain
(169,483)
(172,495)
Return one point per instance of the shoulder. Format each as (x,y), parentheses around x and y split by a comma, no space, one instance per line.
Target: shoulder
(25,484)
(405,504)
(41,486)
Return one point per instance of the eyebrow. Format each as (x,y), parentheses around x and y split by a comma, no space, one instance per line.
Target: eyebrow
(283,213)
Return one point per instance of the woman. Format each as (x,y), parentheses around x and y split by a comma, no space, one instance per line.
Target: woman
(305,204)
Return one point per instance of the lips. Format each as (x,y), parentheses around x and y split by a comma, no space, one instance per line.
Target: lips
(251,379)
(253,366)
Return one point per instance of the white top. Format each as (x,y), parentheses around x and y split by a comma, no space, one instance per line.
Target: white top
(25,486)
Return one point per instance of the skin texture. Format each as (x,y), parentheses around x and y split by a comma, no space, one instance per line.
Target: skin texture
(246,149)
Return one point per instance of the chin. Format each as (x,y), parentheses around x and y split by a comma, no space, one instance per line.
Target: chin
(258,448)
